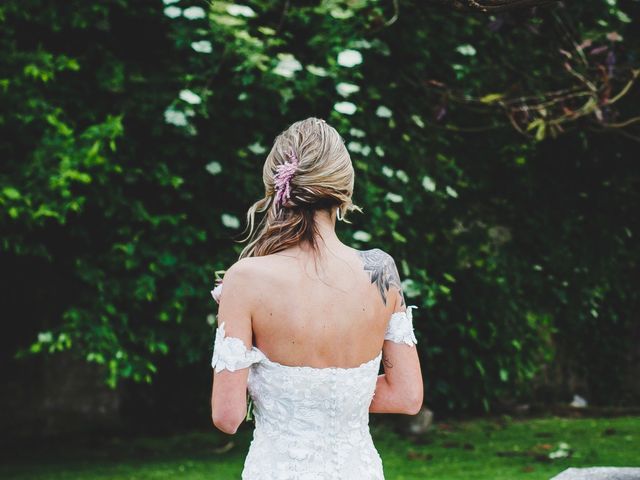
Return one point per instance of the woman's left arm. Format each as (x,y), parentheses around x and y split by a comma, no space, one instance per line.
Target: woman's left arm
(232,351)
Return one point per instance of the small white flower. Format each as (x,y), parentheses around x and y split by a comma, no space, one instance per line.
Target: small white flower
(393,197)
(387,171)
(341,13)
(214,168)
(172,12)
(211,318)
(318,71)
(169,2)
(190,97)
(410,288)
(379,151)
(383,112)
(561,452)
(623,17)
(428,184)
(346,89)
(257,148)
(362,43)
(362,236)
(366,150)
(417,119)
(230,221)
(45,337)
(578,402)
(175,117)
(402,175)
(356,132)
(355,147)
(450,191)
(240,11)
(287,65)
(349,58)
(202,46)
(467,50)
(193,13)
(347,108)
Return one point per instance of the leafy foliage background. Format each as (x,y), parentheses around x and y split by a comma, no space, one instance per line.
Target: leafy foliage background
(134,135)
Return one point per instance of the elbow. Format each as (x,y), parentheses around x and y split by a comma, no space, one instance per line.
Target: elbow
(414,405)
(226,422)
(225,426)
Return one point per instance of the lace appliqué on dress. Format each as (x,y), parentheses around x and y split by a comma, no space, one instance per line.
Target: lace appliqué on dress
(312,423)
(231,354)
(400,328)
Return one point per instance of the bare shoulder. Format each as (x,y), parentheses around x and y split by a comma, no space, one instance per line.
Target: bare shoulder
(250,271)
(238,284)
(242,270)
(239,268)
(236,276)
(382,271)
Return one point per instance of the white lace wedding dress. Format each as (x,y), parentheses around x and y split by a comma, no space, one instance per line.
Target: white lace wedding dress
(310,423)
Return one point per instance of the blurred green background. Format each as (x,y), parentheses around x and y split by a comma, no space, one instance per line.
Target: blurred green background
(496,154)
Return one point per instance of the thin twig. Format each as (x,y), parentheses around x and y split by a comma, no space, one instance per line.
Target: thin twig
(493,6)
(285,9)
(396,13)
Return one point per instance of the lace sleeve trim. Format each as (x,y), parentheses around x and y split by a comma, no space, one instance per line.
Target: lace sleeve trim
(231,354)
(400,328)
(217,292)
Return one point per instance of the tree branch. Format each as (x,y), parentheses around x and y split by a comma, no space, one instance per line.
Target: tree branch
(492,6)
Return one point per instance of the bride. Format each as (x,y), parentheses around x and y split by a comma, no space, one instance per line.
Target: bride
(305,322)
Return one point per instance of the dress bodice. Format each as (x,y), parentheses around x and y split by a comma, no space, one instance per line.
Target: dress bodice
(310,423)
(309,418)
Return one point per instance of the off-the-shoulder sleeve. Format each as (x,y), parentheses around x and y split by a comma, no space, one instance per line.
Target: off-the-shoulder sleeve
(231,354)
(217,292)
(400,328)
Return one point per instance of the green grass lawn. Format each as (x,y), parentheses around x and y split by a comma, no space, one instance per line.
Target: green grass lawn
(492,449)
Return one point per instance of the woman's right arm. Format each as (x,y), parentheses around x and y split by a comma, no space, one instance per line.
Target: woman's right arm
(399,389)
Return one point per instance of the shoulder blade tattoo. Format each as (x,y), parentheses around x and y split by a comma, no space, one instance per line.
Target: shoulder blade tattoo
(382,271)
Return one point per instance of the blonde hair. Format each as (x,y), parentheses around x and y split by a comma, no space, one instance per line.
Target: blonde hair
(323,180)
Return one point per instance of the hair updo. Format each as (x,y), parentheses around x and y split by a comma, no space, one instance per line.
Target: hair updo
(323,180)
